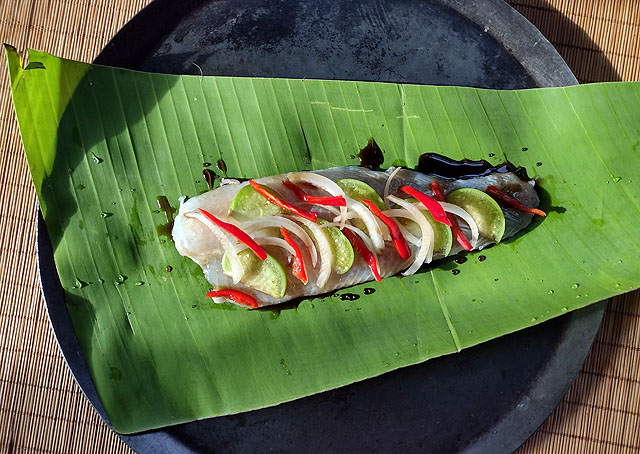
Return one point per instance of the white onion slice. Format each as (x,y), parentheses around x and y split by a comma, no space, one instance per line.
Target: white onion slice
(268,241)
(402,213)
(425,252)
(321,182)
(324,248)
(466,217)
(237,270)
(387,185)
(386,235)
(278,221)
(370,222)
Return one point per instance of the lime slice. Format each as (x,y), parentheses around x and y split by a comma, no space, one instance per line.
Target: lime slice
(266,276)
(358,190)
(250,204)
(341,248)
(483,209)
(442,236)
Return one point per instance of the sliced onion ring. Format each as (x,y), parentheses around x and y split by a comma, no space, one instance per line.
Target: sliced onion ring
(321,182)
(425,252)
(402,213)
(237,270)
(384,230)
(324,249)
(370,222)
(387,185)
(278,221)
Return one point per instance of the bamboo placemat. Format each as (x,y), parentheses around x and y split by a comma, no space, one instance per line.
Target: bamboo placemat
(42,410)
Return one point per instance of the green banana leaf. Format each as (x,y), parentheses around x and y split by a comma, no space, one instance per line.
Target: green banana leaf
(103,144)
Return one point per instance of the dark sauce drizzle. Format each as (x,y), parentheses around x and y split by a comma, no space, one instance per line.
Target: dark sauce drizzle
(209,177)
(222,166)
(349,297)
(371,155)
(450,169)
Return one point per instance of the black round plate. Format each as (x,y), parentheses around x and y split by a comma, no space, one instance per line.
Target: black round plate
(489,398)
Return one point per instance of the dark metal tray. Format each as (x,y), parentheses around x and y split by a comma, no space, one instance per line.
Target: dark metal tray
(489,398)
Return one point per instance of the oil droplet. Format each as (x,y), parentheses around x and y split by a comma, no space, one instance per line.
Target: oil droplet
(616,179)
(168,268)
(206,164)
(551,292)
(139,283)
(80,284)
(121,279)
(617,285)
(460,260)
(369,291)
(193,306)
(105,214)
(101,280)
(491,155)
(482,258)
(576,285)
(113,203)
(97,159)
(455,272)
(564,309)
(352,156)
(533,319)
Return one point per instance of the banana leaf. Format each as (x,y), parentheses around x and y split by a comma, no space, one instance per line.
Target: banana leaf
(105,144)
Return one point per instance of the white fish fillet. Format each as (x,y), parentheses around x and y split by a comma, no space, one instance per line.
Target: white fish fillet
(193,239)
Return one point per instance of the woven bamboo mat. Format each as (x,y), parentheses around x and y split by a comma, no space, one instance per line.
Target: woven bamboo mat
(42,410)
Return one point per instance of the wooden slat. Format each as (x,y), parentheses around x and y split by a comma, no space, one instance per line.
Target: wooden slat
(42,409)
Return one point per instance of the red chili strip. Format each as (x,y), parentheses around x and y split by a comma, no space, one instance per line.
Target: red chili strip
(238,233)
(398,239)
(298,268)
(310,215)
(431,204)
(455,228)
(512,201)
(335,201)
(236,296)
(362,250)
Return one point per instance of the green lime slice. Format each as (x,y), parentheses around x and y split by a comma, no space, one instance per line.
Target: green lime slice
(341,248)
(483,209)
(250,204)
(358,190)
(442,236)
(266,276)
